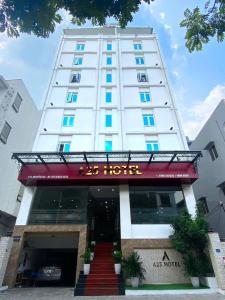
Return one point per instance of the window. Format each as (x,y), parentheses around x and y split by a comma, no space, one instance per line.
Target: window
(152,146)
(108,97)
(17,102)
(80,47)
(76,78)
(64,147)
(139,60)
(5,132)
(144,96)
(155,204)
(142,77)
(78,60)
(68,121)
(148,120)
(109,46)
(71,97)
(108,77)
(213,152)
(137,46)
(108,145)
(202,205)
(108,120)
(108,60)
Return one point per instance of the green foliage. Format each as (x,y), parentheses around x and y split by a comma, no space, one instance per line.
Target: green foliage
(117,254)
(190,239)
(86,256)
(132,266)
(40,17)
(202,26)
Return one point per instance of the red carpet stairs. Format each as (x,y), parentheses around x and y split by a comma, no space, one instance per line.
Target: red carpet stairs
(102,280)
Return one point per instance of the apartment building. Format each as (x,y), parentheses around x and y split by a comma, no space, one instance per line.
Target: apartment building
(110,161)
(19,120)
(209,189)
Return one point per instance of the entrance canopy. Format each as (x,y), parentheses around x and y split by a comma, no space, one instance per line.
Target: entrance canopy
(54,168)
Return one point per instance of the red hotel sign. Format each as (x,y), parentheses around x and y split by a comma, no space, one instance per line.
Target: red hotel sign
(37,174)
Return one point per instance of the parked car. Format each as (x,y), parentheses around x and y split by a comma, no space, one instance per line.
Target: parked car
(49,273)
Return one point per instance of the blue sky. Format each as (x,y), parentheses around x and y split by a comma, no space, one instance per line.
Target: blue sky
(197,79)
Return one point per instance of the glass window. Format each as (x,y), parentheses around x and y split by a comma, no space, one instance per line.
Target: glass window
(108,60)
(68,121)
(139,60)
(59,205)
(213,152)
(108,120)
(148,120)
(108,97)
(71,97)
(17,102)
(152,146)
(145,96)
(76,78)
(155,204)
(202,205)
(5,132)
(80,47)
(137,46)
(142,77)
(78,60)
(64,147)
(108,77)
(109,46)
(108,145)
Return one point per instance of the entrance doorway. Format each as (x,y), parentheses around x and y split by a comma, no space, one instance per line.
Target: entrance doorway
(103,213)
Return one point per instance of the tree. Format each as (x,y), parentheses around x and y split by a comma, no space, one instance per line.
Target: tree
(202,26)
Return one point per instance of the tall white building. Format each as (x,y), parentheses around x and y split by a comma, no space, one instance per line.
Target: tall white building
(19,120)
(117,165)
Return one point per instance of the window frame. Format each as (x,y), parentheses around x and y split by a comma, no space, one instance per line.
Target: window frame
(78,75)
(139,46)
(109,46)
(142,75)
(139,60)
(213,152)
(4,137)
(109,76)
(152,143)
(70,95)
(109,142)
(80,46)
(108,60)
(108,96)
(15,105)
(108,120)
(68,123)
(64,144)
(144,96)
(149,118)
(78,60)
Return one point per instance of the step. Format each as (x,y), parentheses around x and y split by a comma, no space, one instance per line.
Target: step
(101,292)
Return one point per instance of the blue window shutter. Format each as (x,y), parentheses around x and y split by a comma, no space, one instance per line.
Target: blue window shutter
(74,97)
(152,121)
(149,146)
(142,97)
(142,60)
(68,99)
(108,145)
(108,77)
(145,119)
(108,97)
(66,147)
(108,120)
(156,147)
(147,96)
(65,120)
(71,121)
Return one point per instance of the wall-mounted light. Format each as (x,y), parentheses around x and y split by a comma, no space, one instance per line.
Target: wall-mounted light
(156,64)
(171,128)
(61,65)
(51,103)
(160,82)
(56,82)
(45,129)
(166,103)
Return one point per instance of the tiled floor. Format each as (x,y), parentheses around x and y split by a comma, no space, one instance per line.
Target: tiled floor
(67,294)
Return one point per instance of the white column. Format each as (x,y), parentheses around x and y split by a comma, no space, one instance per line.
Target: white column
(189,199)
(25,206)
(125,216)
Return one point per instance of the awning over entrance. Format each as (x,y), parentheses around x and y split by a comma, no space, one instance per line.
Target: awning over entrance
(54,168)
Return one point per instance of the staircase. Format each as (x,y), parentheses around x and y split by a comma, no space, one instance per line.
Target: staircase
(102,280)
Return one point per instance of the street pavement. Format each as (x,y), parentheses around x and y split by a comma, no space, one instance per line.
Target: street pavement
(67,294)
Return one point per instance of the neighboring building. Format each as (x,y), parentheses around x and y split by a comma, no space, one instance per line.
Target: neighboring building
(19,120)
(118,166)
(209,189)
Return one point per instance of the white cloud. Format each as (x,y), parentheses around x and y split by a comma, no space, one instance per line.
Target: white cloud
(162,15)
(196,116)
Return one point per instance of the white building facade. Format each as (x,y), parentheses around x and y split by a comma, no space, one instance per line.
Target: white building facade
(16,106)
(110,143)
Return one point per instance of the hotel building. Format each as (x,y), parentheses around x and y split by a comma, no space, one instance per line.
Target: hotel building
(110,161)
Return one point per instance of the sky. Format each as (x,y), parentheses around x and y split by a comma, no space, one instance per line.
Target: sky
(197,79)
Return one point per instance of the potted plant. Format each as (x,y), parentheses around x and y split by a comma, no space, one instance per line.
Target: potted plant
(133,269)
(191,240)
(92,249)
(87,258)
(117,254)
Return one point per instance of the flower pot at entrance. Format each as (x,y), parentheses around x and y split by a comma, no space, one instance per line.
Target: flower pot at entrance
(117,268)
(86,269)
(195,282)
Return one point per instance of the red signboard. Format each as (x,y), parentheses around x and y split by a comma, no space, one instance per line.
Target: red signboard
(48,174)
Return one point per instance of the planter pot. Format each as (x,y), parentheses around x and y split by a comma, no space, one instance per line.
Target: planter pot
(195,282)
(86,269)
(134,282)
(209,281)
(92,256)
(117,268)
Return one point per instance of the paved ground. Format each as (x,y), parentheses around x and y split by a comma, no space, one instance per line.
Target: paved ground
(67,294)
